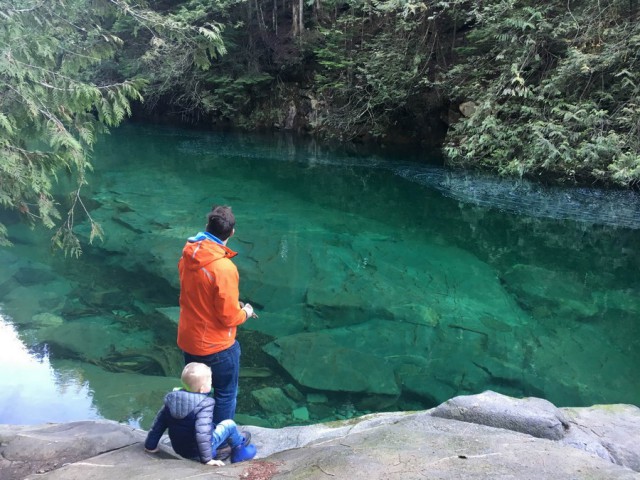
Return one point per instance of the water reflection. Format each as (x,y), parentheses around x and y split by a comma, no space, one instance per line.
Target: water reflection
(32,391)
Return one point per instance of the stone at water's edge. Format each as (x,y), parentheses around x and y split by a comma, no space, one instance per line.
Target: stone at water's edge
(610,431)
(534,416)
(33,449)
(378,446)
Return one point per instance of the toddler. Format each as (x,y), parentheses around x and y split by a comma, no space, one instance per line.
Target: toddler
(188,414)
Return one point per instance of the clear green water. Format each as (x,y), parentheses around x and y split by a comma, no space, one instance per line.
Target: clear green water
(381,284)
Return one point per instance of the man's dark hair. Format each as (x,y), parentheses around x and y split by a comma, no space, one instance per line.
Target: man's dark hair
(220,222)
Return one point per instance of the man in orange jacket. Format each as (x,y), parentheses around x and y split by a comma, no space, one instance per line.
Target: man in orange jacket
(210,309)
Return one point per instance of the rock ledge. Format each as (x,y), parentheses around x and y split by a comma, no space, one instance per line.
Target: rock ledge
(480,436)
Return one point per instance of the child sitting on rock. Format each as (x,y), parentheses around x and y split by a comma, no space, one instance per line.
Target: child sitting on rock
(188,414)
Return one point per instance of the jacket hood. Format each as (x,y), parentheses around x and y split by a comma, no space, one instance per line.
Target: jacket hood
(204,249)
(181,403)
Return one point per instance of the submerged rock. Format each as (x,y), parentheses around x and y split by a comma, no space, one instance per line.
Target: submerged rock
(46,320)
(255,372)
(29,275)
(309,357)
(538,288)
(301,414)
(273,400)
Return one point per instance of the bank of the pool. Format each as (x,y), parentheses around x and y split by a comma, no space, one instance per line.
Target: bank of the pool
(480,436)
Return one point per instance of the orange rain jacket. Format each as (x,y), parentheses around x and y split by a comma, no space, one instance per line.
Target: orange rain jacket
(209,296)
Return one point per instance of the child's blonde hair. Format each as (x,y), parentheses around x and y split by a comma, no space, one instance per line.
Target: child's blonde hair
(195,375)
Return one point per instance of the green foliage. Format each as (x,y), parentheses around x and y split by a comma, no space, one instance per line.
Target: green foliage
(374,62)
(229,97)
(53,103)
(556,87)
(172,51)
(336,62)
(49,114)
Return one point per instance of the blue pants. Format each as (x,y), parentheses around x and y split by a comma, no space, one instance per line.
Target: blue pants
(226,430)
(225,372)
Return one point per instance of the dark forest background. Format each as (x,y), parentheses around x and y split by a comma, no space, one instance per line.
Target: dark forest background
(546,90)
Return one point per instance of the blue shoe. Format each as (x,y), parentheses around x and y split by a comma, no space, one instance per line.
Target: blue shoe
(223,452)
(243,452)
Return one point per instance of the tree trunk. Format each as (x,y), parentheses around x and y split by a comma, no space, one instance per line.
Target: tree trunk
(295,30)
(274,17)
(301,2)
(260,17)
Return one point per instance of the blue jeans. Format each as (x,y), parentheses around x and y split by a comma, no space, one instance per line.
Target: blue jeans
(226,430)
(225,372)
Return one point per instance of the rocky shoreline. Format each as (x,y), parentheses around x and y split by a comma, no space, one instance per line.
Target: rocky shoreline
(479,436)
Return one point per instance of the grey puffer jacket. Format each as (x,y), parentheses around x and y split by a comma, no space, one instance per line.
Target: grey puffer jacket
(189,418)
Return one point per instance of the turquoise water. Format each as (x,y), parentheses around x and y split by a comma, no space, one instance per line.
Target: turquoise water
(381,284)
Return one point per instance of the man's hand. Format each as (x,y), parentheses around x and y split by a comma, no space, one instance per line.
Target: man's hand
(248,310)
(215,463)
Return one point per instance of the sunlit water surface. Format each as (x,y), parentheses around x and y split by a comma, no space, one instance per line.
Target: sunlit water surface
(381,284)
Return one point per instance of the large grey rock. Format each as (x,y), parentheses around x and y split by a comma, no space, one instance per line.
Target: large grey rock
(416,446)
(610,431)
(533,416)
(41,448)
(381,446)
